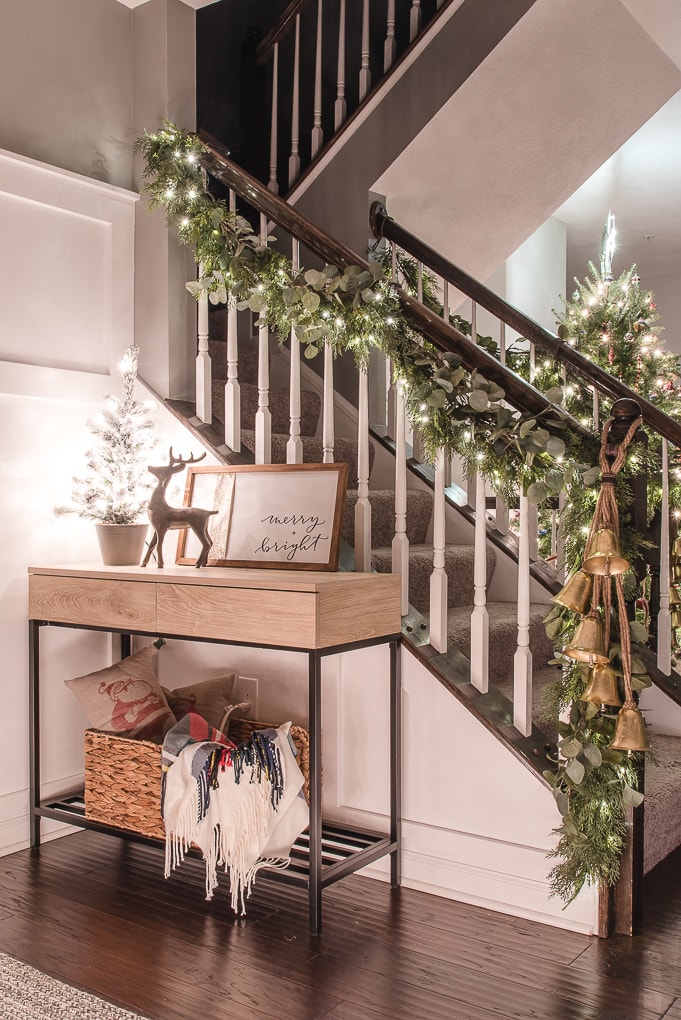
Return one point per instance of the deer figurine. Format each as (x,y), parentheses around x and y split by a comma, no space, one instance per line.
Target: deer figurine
(164,518)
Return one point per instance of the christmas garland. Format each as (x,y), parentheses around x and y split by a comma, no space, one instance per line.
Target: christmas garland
(357,310)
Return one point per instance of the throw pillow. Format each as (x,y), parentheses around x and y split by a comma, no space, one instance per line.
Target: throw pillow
(125,698)
(209,698)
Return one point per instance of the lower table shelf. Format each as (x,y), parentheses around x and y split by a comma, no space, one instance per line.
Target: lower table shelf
(345,849)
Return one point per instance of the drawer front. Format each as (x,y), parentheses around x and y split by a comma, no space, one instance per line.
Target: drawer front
(254,615)
(92,602)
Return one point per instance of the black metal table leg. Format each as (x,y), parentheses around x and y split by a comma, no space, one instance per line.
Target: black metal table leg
(395,762)
(34,729)
(315,725)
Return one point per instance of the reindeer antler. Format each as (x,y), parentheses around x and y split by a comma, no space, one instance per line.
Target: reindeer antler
(182,460)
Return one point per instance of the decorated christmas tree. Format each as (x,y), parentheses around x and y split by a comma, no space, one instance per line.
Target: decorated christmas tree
(115,485)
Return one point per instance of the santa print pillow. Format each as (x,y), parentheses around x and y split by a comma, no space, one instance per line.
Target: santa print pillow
(125,698)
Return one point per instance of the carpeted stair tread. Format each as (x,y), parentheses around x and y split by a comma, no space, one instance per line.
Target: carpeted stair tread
(247,368)
(663,800)
(459,560)
(419,513)
(310,407)
(503,636)
(345,450)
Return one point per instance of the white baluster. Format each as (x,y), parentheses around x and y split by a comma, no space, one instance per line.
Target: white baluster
(522,662)
(419,283)
(391,384)
(294,447)
(263,417)
(232,388)
(363,506)
(414,20)
(595,408)
(365,72)
(294,158)
(389,48)
(554,538)
(204,378)
(400,545)
(272,183)
(474,322)
(438,578)
(328,409)
(560,545)
(533,531)
(664,620)
(502,342)
(500,516)
(340,108)
(533,362)
(317,131)
(479,617)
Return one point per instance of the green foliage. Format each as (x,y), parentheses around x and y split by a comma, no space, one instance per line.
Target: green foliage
(354,309)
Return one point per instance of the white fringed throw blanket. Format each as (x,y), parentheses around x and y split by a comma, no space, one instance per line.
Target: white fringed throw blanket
(241,805)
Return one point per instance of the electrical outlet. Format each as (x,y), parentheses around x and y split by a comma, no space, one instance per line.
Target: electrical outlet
(246,689)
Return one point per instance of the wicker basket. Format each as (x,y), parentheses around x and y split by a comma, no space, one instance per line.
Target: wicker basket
(123,776)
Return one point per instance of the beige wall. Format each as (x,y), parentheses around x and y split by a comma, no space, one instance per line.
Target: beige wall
(66,83)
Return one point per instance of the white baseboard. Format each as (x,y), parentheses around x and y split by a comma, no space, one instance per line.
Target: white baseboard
(15,819)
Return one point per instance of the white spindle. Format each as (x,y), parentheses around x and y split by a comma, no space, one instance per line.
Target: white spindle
(533,362)
(389,48)
(363,506)
(204,379)
(502,342)
(317,130)
(340,108)
(500,516)
(533,531)
(294,447)
(391,384)
(664,620)
(474,322)
(263,417)
(522,662)
(560,546)
(479,656)
(328,429)
(554,538)
(365,72)
(414,20)
(272,183)
(438,578)
(294,158)
(595,408)
(232,388)
(400,545)
(419,283)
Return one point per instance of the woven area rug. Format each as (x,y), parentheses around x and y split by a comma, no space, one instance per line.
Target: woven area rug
(28,994)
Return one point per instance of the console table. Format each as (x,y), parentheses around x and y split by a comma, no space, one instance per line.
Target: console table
(319,613)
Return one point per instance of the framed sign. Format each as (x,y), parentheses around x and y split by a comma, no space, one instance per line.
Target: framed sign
(268,515)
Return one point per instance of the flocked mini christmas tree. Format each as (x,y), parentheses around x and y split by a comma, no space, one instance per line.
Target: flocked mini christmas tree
(114,488)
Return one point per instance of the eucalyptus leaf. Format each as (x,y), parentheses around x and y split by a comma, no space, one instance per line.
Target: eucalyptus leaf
(571,748)
(638,632)
(536,492)
(504,417)
(478,400)
(555,395)
(555,480)
(639,682)
(591,475)
(311,352)
(553,629)
(593,755)
(631,797)
(541,437)
(555,447)
(575,770)
(562,802)
(438,398)
(527,427)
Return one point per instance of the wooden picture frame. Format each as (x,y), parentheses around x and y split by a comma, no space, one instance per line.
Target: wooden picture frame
(285,516)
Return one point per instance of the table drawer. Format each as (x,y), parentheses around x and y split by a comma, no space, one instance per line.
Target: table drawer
(92,602)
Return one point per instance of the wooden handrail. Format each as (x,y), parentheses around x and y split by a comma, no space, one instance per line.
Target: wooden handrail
(443,336)
(265,47)
(384,226)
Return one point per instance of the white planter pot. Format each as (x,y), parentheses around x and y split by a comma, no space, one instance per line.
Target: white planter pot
(121,544)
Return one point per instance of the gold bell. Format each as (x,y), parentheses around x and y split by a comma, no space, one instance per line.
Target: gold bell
(576,593)
(676,617)
(630,731)
(588,644)
(674,597)
(676,571)
(604,555)
(602,688)
(676,547)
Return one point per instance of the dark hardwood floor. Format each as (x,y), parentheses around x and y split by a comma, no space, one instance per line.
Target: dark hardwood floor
(97,913)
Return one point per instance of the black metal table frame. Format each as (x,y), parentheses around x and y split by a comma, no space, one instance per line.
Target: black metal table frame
(318,876)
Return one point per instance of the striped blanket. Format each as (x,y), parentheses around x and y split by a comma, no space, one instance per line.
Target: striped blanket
(241,805)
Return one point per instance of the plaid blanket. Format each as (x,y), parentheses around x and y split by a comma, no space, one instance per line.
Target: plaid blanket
(241,805)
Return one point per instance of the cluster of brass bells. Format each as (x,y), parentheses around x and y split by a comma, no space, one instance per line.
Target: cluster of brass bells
(588,643)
